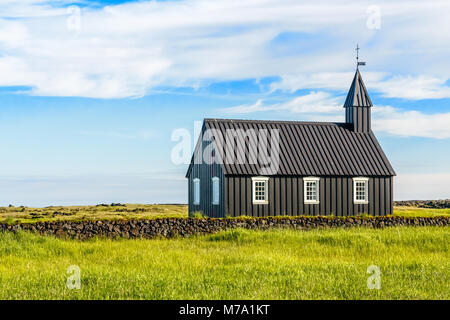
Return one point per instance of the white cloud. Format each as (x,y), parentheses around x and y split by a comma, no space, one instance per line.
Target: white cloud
(249,108)
(13,34)
(324,80)
(407,87)
(313,102)
(124,50)
(411,123)
(321,106)
(31,8)
(413,87)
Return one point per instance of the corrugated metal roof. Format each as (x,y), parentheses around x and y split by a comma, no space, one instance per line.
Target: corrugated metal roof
(357,95)
(311,148)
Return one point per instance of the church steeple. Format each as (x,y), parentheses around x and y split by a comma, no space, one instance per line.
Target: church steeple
(357,95)
(357,104)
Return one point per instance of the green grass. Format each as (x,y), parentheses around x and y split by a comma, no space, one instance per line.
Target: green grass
(420,212)
(99,212)
(140,211)
(236,264)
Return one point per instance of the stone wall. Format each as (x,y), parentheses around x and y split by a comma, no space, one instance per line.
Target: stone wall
(171,227)
(432,204)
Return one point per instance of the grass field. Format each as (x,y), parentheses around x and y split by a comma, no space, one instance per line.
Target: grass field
(98,212)
(237,264)
(420,212)
(140,211)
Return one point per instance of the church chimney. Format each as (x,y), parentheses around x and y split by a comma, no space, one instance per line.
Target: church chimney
(357,104)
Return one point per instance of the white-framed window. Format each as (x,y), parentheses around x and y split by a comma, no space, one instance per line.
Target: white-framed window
(196,191)
(260,187)
(311,190)
(361,190)
(215,190)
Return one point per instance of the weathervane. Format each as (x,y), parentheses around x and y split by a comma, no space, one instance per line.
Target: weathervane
(357,58)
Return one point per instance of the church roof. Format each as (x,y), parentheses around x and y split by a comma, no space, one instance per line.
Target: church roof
(309,148)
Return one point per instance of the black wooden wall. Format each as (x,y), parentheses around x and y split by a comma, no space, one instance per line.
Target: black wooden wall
(286,197)
(360,118)
(205,172)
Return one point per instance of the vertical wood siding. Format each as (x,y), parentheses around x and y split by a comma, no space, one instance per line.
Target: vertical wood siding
(205,172)
(286,197)
(359,117)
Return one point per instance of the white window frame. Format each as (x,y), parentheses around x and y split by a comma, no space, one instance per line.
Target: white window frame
(366,192)
(215,184)
(305,183)
(196,190)
(265,180)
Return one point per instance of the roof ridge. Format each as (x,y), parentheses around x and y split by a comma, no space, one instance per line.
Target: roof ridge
(274,121)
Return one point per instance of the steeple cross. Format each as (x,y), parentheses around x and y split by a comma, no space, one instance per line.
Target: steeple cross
(357,58)
(357,53)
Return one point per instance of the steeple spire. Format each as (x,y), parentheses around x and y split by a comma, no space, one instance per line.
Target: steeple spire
(357,94)
(357,104)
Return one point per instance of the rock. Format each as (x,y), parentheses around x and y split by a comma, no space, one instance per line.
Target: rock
(117,205)
(435,204)
(186,227)
(134,231)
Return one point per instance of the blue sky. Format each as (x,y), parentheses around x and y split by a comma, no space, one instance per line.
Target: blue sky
(91,91)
